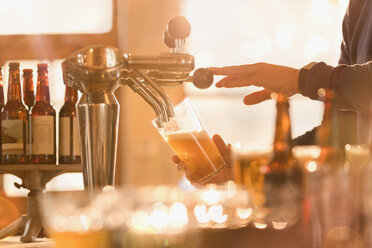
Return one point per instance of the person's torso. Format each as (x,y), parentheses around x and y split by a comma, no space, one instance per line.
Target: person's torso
(359,31)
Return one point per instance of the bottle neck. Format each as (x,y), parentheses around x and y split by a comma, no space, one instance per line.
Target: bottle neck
(42,91)
(1,89)
(326,133)
(28,82)
(14,88)
(327,136)
(282,138)
(28,89)
(70,95)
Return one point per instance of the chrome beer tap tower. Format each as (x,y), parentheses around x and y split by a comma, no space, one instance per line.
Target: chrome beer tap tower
(97,71)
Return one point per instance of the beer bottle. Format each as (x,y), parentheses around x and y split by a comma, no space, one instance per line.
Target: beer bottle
(43,122)
(69,150)
(14,122)
(1,89)
(1,105)
(28,89)
(332,154)
(282,176)
(28,97)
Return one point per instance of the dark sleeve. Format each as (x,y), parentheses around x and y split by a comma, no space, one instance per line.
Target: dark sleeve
(347,130)
(352,83)
(306,139)
(345,55)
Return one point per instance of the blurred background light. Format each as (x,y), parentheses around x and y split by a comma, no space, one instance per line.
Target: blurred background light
(55,17)
(285,32)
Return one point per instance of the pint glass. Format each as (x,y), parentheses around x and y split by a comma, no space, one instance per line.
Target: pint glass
(187,136)
(248,163)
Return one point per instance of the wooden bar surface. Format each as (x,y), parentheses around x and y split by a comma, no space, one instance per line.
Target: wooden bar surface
(41,167)
(14,242)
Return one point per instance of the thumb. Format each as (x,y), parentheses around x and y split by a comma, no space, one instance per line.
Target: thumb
(257,97)
(220,144)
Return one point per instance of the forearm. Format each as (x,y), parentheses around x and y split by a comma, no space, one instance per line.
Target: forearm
(353,84)
(306,139)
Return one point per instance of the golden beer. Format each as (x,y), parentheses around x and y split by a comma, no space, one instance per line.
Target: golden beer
(85,239)
(248,166)
(198,151)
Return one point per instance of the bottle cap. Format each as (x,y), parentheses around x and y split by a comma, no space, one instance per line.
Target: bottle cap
(27,71)
(42,66)
(13,65)
(279,97)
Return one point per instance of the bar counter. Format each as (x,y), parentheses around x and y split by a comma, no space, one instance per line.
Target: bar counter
(13,242)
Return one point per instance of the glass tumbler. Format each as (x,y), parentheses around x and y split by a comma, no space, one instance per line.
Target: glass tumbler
(187,136)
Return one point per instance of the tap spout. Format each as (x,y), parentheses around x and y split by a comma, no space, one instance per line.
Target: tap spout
(159,91)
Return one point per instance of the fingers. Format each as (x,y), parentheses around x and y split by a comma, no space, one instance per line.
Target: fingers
(257,97)
(224,71)
(176,159)
(275,78)
(224,175)
(221,146)
(181,166)
(238,70)
(232,82)
(225,80)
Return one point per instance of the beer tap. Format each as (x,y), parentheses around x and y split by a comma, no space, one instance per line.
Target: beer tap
(178,29)
(97,71)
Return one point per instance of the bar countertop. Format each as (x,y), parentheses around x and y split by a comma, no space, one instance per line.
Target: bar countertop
(13,242)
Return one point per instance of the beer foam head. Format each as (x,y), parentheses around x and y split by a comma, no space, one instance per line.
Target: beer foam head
(171,126)
(304,154)
(199,134)
(306,151)
(252,151)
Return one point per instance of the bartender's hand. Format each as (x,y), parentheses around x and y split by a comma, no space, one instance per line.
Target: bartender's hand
(224,174)
(273,78)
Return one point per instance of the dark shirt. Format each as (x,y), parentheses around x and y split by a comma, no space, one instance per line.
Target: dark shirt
(352,78)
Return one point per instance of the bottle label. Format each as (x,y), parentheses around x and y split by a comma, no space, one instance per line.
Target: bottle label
(14,137)
(42,135)
(68,137)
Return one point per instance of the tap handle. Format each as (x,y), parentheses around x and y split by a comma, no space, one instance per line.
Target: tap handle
(178,28)
(169,41)
(202,78)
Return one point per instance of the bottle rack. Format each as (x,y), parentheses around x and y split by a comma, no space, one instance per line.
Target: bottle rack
(34,178)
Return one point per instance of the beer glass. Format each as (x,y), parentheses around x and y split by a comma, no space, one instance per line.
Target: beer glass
(248,160)
(334,195)
(75,219)
(187,136)
(152,216)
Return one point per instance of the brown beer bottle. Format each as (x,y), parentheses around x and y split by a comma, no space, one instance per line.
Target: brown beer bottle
(28,98)
(282,176)
(327,136)
(43,122)
(69,150)
(1,89)
(28,89)
(1,106)
(14,122)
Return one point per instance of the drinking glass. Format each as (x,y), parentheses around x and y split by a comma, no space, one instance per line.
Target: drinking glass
(248,160)
(153,216)
(187,136)
(77,219)
(333,190)
(250,165)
